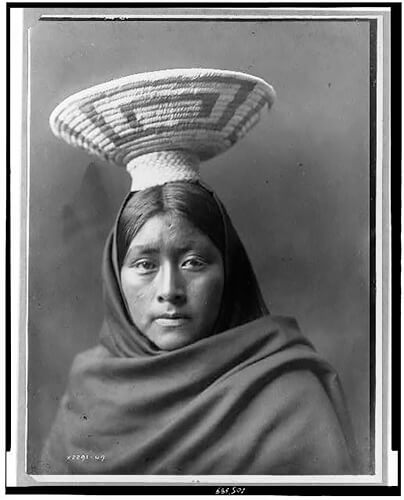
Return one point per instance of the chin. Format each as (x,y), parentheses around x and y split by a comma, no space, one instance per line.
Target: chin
(169,341)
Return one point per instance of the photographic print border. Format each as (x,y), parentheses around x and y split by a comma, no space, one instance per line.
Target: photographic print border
(383,404)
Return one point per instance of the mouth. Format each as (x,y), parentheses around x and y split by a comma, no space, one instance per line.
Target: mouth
(172,320)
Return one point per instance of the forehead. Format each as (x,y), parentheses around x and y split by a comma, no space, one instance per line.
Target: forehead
(169,230)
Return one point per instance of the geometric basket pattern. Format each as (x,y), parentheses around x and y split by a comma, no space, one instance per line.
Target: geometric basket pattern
(201,111)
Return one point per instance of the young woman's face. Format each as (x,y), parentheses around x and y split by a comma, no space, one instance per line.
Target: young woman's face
(172,279)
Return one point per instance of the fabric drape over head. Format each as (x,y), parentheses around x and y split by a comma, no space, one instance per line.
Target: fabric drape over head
(253,398)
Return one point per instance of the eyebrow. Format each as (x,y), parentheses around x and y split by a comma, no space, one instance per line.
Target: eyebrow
(142,249)
(152,250)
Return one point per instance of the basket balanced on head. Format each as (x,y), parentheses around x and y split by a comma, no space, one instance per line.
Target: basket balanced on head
(191,375)
(161,125)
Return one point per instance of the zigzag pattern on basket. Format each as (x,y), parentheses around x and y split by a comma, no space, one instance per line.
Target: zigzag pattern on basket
(203,112)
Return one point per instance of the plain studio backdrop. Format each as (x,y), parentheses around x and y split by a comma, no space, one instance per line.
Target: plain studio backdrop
(296,188)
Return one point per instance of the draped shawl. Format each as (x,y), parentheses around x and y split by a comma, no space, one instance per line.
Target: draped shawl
(254,398)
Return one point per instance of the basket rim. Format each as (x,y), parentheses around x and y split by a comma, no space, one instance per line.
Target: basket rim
(192,74)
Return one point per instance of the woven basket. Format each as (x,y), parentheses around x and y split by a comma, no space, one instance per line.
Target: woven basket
(189,115)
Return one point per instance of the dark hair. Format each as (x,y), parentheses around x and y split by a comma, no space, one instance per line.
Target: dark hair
(242,300)
(185,199)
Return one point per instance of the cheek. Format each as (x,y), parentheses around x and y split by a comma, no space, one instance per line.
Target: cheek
(135,293)
(207,292)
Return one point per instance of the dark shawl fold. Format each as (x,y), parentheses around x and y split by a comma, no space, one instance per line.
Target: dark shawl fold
(252,399)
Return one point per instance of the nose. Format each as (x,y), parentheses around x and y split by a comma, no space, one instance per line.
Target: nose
(170,285)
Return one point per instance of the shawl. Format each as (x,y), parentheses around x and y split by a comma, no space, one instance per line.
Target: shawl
(254,398)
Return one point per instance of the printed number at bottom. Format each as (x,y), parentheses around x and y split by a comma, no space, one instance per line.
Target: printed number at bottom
(234,490)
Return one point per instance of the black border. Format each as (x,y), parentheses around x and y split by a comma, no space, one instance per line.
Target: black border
(334,490)
(309,490)
(7,254)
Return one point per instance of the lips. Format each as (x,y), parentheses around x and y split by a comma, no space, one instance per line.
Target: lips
(172,319)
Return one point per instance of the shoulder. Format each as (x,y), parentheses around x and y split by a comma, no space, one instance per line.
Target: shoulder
(312,418)
(301,383)
(85,359)
(86,366)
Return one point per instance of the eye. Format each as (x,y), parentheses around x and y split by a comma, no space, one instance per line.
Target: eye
(193,264)
(144,266)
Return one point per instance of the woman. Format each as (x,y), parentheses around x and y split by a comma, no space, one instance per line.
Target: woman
(192,374)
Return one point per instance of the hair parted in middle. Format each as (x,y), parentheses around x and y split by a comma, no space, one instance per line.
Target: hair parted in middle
(242,298)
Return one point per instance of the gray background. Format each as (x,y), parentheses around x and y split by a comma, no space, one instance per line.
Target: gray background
(297,187)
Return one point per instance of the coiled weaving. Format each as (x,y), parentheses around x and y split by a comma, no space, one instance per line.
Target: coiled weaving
(161,124)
